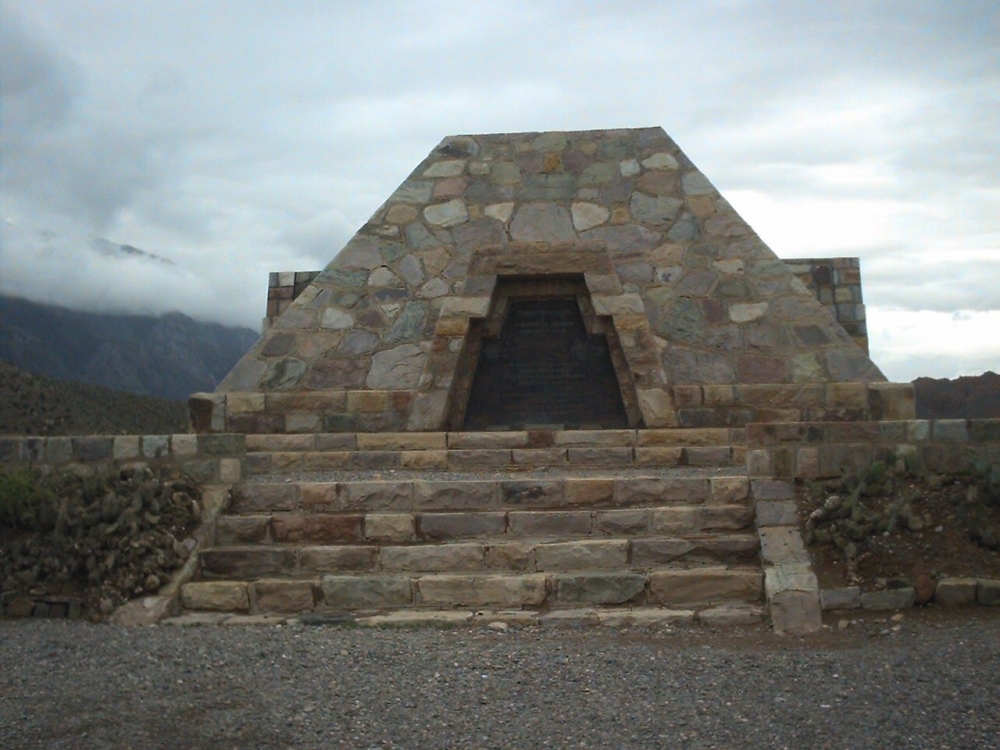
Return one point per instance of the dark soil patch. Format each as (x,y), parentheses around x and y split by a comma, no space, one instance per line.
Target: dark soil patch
(940,522)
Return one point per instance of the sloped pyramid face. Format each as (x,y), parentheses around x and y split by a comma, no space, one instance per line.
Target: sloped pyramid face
(388,336)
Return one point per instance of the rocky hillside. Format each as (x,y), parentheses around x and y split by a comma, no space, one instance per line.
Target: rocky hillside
(36,405)
(973,397)
(168,357)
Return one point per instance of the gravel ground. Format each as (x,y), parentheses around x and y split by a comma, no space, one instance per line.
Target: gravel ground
(924,682)
(455,475)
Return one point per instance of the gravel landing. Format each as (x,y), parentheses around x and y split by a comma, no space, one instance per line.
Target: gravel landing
(878,684)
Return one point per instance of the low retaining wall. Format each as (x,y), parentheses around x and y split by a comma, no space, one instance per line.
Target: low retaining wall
(207,459)
(815,450)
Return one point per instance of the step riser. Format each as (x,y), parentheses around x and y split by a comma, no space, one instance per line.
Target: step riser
(426,495)
(506,556)
(683,588)
(517,458)
(403,528)
(513,439)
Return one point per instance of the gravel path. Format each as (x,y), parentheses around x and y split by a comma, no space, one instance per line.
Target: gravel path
(922,683)
(486,474)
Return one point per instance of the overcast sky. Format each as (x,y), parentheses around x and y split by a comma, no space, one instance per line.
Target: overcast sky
(235,137)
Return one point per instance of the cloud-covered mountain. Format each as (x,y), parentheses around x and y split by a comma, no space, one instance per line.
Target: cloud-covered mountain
(170,356)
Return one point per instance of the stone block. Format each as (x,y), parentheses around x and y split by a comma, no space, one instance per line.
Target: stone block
(600,456)
(230,470)
(430,459)
(657,410)
(643,617)
(487,440)
(395,441)
(777,513)
(316,528)
(589,492)
(700,519)
(183,446)
(899,598)
(325,461)
(759,463)
(247,562)
(549,523)
(599,588)
(621,522)
(956,592)
(988,592)
(458,495)
(588,554)
(780,545)
(364,592)
(328,441)
(240,529)
(594,438)
(319,497)
(371,496)
(446,590)
(661,491)
(514,556)
(891,401)
(216,596)
(389,527)
(528,457)
(94,448)
(226,445)
(767,489)
(844,598)
(707,585)
(477,459)
(950,430)
(731,614)
(468,525)
(532,493)
(263,498)
(728,490)
(717,548)
(793,576)
(795,612)
(340,558)
(659,456)
(715,455)
(126,447)
(283,596)
(433,558)
(847,395)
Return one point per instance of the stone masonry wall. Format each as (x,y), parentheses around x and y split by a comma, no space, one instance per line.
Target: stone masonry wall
(836,283)
(804,450)
(390,312)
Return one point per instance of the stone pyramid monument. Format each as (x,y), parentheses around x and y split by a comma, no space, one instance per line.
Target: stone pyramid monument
(591,279)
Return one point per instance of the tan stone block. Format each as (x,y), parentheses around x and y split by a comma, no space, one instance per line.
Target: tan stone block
(401,214)
(478,458)
(240,529)
(716,548)
(424,459)
(279,443)
(367,401)
(594,438)
(600,456)
(363,592)
(847,395)
(718,395)
(549,523)
(339,558)
(599,588)
(216,596)
(394,441)
(326,460)
(642,617)
(519,556)
(759,462)
(537,493)
(896,401)
(621,522)
(376,495)
(807,463)
(589,491)
(729,490)
(780,545)
(451,326)
(263,498)
(538,456)
(245,402)
(336,441)
(656,408)
(658,456)
(436,558)
(708,585)
(687,395)
(699,519)
(319,497)
(389,527)
(450,526)
(618,304)
(525,590)
(283,596)
(127,446)
(475,440)
(470,307)
(589,554)
(684,436)
(458,495)
(661,491)
(182,446)
(318,528)
(230,470)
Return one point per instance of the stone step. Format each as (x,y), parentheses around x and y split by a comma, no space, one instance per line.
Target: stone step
(260,463)
(405,528)
(670,588)
(418,495)
(507,555)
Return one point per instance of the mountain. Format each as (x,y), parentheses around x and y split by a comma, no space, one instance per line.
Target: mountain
(171,356)
(968,397)
(36,405)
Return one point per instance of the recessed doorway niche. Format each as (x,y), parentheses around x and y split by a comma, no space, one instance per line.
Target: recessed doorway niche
(542,359)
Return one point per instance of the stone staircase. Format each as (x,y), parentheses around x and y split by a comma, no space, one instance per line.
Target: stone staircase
(634,524)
